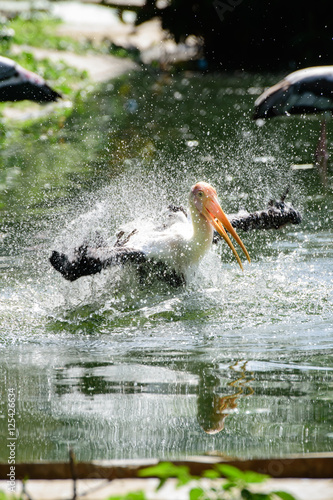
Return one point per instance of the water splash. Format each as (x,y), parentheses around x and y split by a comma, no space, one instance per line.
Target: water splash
(130,362)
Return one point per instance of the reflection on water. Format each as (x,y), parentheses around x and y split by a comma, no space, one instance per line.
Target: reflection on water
(105,406)
(213,408)
(237,363)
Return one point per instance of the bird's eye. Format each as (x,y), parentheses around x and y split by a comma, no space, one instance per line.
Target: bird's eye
(200,194)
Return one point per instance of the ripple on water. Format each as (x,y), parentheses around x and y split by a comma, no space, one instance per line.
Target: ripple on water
(281,304)
(121,370)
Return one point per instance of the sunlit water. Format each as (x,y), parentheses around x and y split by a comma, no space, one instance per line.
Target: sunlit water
(235,363)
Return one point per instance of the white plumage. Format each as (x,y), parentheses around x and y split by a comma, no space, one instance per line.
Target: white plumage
(183,242)
(308,90)
(168,252)
(18,84)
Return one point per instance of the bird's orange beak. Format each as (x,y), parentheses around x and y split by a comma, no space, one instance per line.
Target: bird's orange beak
(217,218)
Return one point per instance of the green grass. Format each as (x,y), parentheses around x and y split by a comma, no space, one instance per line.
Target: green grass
(42,33)
(62,77)
(40,30)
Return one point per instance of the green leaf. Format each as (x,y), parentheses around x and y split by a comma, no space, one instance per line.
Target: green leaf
(228,485)
(211,474)
(165,470)
(246,494)
(135,495)
(182,480)
(229,471)
(233,473)
(284,495)
(161,483)
(254,477)
(261,496)
(196,494)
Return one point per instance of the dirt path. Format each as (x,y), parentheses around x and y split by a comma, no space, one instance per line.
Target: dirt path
(100,68)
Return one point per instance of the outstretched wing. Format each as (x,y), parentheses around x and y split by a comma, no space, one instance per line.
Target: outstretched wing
(278,214)
(87,261)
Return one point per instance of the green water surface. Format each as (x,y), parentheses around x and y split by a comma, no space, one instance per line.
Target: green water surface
(235,363)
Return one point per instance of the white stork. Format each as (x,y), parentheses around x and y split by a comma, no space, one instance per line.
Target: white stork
(18,84)
(168,252)
(306,91)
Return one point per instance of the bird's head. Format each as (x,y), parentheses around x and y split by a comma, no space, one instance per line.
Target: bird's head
(204,198)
